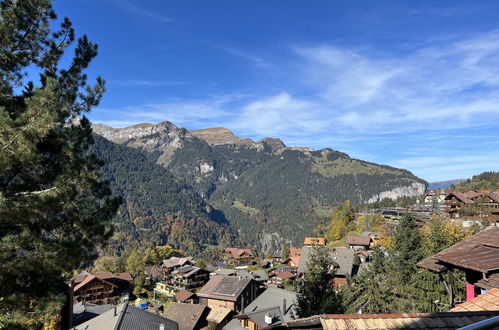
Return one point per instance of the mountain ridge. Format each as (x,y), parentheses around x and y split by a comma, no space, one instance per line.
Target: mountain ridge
(268,192)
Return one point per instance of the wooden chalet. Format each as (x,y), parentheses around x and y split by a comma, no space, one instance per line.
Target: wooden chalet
(238,257)
(359,242)
(188,278)
(102,288)
(477,256)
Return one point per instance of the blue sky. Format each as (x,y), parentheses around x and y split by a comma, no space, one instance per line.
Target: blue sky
(412,84)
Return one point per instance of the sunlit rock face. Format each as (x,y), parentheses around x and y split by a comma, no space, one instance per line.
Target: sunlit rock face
(412,190)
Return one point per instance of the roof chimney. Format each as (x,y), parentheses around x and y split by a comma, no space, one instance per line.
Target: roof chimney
(284,306)
(162,326)
(268,318)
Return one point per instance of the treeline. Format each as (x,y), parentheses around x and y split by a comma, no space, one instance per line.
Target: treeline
(486,180)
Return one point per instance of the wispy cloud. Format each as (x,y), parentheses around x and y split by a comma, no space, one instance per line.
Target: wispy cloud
(129,6)
(367,103)
(255,60)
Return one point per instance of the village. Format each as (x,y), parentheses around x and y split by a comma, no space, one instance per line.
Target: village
(243,291)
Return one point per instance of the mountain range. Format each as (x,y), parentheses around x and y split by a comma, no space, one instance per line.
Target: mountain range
(201,188)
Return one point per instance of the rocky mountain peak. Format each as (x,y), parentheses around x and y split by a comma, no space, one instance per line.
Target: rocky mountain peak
(220,135)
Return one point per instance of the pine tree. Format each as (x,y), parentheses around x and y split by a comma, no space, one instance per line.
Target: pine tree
(369,292)
(315,293)
(54,209)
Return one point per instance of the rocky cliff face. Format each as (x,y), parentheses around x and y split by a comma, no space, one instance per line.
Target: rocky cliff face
(412,190)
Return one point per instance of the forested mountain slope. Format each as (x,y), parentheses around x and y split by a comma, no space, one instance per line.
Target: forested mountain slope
(269,193)
(486,181)
(157,208)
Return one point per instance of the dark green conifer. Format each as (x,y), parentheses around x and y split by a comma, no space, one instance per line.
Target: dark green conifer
(54,209)
(315,293)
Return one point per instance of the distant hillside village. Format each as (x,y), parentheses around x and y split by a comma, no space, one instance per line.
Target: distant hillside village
(244,291)
(471,207)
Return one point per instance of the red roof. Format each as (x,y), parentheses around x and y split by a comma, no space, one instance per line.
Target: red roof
(183,295)
(294,252)
(314,241)
(488,301)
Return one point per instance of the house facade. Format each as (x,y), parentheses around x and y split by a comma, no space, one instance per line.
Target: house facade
(228,292)
(238,257)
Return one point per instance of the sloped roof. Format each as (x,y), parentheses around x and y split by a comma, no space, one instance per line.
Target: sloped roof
(488,237)
(294,252)
(285,275)
(488,301)
(494,196)
(459,195)
(177,262)
(260,275)
(127,317)
(188,316)
(83,311)
(358,240)
(226,272)
(238,253)
(343,257)
(259,317)
(89,278)
(314,241)
(183,295)
(489,283)
(295,260)
(449,320)
(122,276)
(275,297)
(218,314)
(224,287)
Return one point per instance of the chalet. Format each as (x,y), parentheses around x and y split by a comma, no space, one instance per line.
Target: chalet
(238,257)
(126,317)
(455,201)
(188,278)
(188,316)
(173,263)
(314,241)
(342,265)
(278,278)
(154,273)
(359,242)
(477,256)
(435,196)
(102,288)
(228,292)
(294,256)
(270,310)
(277,257)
